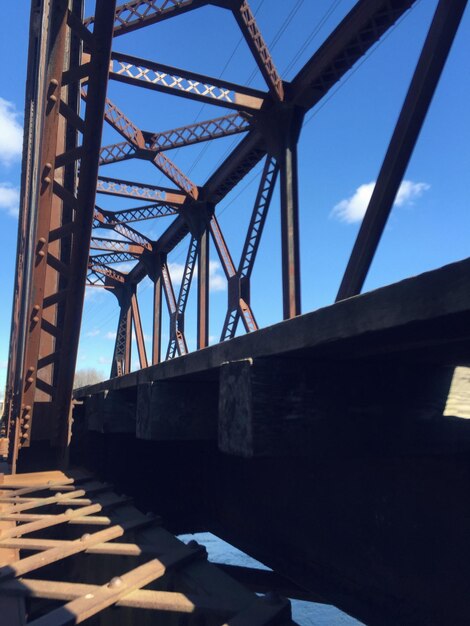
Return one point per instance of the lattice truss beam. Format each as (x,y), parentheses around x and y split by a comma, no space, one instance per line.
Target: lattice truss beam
(60,261)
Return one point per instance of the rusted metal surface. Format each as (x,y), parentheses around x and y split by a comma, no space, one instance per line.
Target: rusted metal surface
(198,588)
(72,58)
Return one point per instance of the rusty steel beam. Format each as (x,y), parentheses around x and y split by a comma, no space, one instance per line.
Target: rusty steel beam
(85,194)
(116,152)
(247,22)
(113,257)
(109,272)
(177,337)
(123,125)
(203,279)
(416,105)
(139,333)
(222,249)
(207,130)
(121,363)
(362,27)
(114,245)
(139,191)
(140,13)
(132,70)
(239,280)
(157,317)
(171,171)
(290,233)
(129,233)
(53,295)
(136,214)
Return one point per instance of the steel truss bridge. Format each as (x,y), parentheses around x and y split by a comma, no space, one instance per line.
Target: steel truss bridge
(271,418)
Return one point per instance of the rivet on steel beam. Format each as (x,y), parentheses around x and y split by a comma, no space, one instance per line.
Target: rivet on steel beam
(27,408)
(115,582)
(41,242)
(58,494)
(26,427)
(47,169)
(69,512)
(85,536)
(54,82)
(29,373)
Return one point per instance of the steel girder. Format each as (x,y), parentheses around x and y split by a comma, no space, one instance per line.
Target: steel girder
(56,216)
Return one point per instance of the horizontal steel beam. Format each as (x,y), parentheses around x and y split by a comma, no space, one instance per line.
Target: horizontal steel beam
(171,80)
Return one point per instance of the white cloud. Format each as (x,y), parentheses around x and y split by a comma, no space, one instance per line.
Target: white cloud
(93,293)
(9,198)
(176,273)
(11,132)
(103,360)
(409,191)
(217,281)
(111,335)
(92,333)
(353,209)
(124,268)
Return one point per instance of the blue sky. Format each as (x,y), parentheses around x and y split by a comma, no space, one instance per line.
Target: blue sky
(340,151)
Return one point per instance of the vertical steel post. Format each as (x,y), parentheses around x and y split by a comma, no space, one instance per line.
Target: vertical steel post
(123,345)
(203,290)
(86,192)
(157,319)
(290,218)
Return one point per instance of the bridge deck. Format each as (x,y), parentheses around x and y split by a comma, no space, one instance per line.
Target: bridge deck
(430,310)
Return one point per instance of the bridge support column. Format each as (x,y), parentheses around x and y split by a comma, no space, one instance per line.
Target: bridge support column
(157,318)
(122,347)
